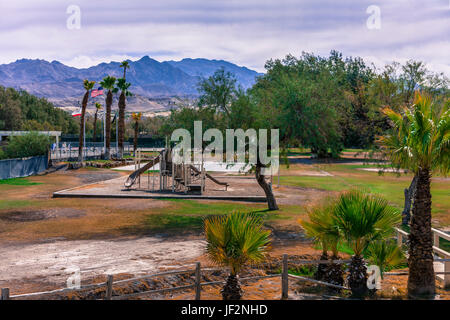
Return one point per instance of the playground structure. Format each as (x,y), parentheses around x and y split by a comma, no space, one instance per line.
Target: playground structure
(178,177)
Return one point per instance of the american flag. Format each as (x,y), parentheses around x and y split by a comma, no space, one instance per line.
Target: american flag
(97,92)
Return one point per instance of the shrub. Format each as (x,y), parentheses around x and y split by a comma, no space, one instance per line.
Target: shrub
(28,145)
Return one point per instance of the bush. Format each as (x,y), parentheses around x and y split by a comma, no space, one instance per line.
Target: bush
(28,145)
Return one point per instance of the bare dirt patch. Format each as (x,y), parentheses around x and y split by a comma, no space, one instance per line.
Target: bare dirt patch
(35,215)
(54,262)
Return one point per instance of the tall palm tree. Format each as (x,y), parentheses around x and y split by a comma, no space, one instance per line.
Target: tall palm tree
(361,219)
(109,84)
(123,86)
(98,107)
(233,241)
(136,118)
(420,142)
(88,85)
(125,65)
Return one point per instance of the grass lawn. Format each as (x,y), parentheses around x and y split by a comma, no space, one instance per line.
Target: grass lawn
(18,182)
(190,214)
(389,185)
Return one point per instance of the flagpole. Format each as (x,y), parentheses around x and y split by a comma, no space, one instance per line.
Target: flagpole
(84,138)
(104,131)
(117,137)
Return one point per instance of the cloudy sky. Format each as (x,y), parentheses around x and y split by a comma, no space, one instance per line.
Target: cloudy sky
(246,32)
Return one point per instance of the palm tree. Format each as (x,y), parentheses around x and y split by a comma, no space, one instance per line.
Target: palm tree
(98,107)
(109,84)
(420,142)
(88,85)
(123,86)
(233,241)
(385,254)
(361,219)
(136,118)
(125,65)
(320,227)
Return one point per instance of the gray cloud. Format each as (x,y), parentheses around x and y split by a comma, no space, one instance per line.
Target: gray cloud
(244,32)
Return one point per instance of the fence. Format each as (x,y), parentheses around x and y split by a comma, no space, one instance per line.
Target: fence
(439,264)
(197,285)
(17,168)
(92,150)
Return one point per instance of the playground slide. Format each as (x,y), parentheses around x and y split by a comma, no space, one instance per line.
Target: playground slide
(210,177)
(133,177)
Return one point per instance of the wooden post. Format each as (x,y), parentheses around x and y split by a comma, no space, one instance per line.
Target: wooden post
(284,278)
(435,239)
(198,279)
(5,294)
(447,276)
(399,239)
(109,284)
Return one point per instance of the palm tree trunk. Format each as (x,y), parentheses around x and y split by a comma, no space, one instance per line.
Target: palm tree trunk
(271,201)
(81,135)
(421,273)
(95,127)
(357,279)
(121,128)
(334,275)
(232,289)
(409,194)
(321,267)
(109,99)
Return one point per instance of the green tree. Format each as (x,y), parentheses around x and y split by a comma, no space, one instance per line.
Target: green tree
(233,241)
(420,142)
(361,219)
(217,91)
(28,145)
(88,85)
(109,84)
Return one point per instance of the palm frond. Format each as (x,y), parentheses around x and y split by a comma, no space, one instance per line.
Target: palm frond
(236,239)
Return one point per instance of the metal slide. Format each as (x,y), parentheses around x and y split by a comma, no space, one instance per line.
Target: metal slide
(209,177)
(133,177)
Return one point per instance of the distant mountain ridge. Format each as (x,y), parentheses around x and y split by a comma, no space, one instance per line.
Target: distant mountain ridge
(150,78)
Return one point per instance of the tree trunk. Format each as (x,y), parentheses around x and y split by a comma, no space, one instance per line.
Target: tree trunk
(136,132)
(271,201)
(121,133)
(81,135)
(357,279)
(421,273)
(409,195)
(321,268)
(334,275)
(109,99)
(95,126)
(232,289)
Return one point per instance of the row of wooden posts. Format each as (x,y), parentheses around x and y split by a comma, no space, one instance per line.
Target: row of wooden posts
(5,293)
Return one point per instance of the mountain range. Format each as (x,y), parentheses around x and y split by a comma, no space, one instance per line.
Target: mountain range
(153,84)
